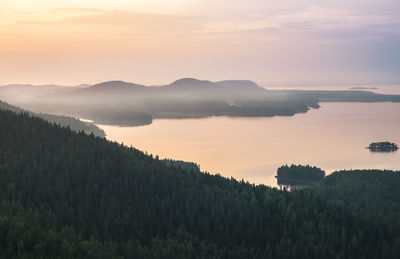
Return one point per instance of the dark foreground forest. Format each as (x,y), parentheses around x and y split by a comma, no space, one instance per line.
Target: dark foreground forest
(69,195)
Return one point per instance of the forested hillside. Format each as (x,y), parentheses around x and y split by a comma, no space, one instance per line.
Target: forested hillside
(65,121)
(376,190)
(69,195)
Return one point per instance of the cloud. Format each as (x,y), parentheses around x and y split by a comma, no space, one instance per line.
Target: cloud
(315,17)
(74,10)
(302,38)
(313,23)
(122,21)
(310,19)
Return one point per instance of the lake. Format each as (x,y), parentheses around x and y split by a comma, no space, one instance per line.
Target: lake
(333,137)
(379,89)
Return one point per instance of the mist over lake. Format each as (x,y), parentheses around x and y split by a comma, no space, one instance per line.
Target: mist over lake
(333,137)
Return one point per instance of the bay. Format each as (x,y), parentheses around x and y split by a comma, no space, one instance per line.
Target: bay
(333,137)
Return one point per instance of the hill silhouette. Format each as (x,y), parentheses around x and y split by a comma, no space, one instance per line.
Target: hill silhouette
(117,86)
(131,104)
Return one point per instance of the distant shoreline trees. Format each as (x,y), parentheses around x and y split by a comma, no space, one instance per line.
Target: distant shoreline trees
(299,175)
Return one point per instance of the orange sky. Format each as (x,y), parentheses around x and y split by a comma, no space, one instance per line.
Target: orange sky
(153,41)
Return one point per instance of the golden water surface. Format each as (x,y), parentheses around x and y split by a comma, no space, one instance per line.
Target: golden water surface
(333,137)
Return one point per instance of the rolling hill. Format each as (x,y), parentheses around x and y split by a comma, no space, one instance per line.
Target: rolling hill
(131,104)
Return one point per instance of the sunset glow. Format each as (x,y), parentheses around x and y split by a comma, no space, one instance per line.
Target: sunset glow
(73,42)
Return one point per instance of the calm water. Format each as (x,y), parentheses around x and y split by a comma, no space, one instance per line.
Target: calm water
(332,137)
(380,89)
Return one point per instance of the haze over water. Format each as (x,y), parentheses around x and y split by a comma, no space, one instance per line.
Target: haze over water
(333,137)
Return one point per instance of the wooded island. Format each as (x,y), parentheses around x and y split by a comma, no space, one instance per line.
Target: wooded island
(382,147)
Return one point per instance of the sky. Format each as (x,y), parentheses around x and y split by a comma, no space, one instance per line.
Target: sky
(288,42)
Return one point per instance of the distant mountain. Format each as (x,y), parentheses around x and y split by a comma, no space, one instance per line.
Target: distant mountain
(29,86)
(15,89)
(191,83)
(115,86)
(33,90)
(187,88)
(122,87)
(125,103)
(240,85)
(20,94)
(227,85)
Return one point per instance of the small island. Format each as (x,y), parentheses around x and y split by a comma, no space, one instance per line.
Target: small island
(299,176)
(383,147)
